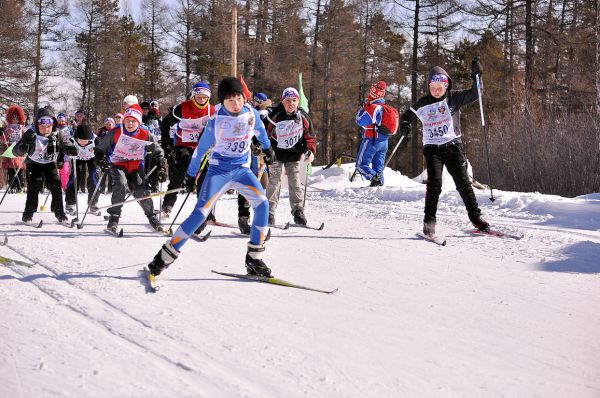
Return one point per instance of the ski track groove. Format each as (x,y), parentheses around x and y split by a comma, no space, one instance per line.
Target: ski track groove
(213,377)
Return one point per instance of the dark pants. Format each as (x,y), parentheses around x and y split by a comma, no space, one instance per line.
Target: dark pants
(135,181)
(453,158)
(177,170)
(18,183)
(82,170)
(150,162)
(91,181)
(36,175)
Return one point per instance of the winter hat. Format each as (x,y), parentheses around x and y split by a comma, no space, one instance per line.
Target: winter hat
(84,132)
(45,115)
(15,110)
(145,105)
(154,104)
(228,86)
(110,119)
(134,111)
(119,115)
(200,88)
(129,100)
(377,91)
(290,92)
(260,97)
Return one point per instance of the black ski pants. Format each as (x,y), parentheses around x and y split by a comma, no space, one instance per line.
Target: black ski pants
(135,181)
(452,156)
(37,173)
(178,166)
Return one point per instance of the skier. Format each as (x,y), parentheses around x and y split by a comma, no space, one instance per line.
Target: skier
(84,160)
(12,133)
(292,136)
(229,133)
(122,153)
(45,155)
(118,119)
(260,102)
(439,112)
(379,122)
(190,117)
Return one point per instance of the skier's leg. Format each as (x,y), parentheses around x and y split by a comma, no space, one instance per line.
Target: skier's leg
(296,192)
(119,189)
(435,166)
(34,186)
(274,187)
(364,158)
(380,150)
(246,183)
(51,173)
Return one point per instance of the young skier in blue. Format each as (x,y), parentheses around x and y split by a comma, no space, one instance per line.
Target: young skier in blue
(229,133)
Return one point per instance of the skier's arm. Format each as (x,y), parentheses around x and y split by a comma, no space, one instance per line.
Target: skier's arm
(207,140)
(260,132)
(407,118)
(26,144)
(155,150)
(101,150)
(309,135)
(169,120)
(363,118)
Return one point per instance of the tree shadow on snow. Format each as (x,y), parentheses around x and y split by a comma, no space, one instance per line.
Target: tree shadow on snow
(582,257)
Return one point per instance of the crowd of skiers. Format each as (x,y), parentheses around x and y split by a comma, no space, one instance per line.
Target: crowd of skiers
(239,142)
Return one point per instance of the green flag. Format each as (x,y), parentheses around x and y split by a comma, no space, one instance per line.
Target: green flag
(8,153)
(303,100)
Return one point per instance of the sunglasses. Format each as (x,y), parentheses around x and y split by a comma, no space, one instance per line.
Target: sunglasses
(45,121)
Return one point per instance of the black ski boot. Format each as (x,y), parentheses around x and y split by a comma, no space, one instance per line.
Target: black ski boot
(376,181)
(254,263)
(113,223)
(243,224)
(429,228)
(481,225)
(299,217)
(165,257)
(271,219)
(70,209)
(27,218)
(166,212)
(62,218)
(155,223)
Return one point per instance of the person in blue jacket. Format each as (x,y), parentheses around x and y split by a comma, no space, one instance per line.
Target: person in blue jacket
(373,148)
(229,133)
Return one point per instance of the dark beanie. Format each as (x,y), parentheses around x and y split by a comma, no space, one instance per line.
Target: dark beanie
(228,86)
(84,132)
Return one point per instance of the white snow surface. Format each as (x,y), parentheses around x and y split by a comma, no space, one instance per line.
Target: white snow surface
(480,317)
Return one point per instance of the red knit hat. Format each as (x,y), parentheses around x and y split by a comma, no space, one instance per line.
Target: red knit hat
(134,111)
(377,91)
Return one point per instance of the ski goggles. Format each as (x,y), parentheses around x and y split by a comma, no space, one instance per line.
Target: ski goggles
(45,121)
(291,93)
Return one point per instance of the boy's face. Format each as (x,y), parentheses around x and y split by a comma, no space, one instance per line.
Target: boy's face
(82,142)
(234,103)
(201,98)
(291,104)
(109,125)
(437,90)
(119,120)
(131,124)
(45,125)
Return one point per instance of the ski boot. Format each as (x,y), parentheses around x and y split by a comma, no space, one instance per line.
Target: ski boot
(243,224)
(113,223)
(376,181)
(166,212)
(94,210)
(155,223)
(165,257)
(27,218)
(254,263)
(299,217)
(62,219)
(271,219)
(70,209)
(481,225)
(429,229)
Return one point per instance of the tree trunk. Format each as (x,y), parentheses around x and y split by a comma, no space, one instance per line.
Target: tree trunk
(413,89)
(528,45)
(38,58)
(313,55)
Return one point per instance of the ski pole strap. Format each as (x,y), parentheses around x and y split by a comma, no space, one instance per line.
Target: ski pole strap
(142,198)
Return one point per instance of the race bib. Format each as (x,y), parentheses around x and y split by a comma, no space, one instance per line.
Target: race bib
(129,148)
(40,154)
(289,133)
(438,127)
(172,131)
(14,133)
(154,128)
(85,152)
(191,129)
(233,134)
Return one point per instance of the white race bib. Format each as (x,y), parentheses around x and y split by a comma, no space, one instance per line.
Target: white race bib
(85,152)
(191,129)
(233,134)
(15,132)
(438,127)
(129,148)
(40,154)
(289,133)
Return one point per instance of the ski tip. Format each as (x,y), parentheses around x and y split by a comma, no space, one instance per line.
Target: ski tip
(321,227)
(73,223)
(5,241)
(205,237)
(120,235)
(40,224)
(332,291)
(268,235)
(286,226)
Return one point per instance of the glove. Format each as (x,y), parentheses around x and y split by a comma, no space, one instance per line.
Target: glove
(405,130)
(269,156)
(309,157)
(190,183)
(256,150)
(103,164)
(71,150)
(475,68)
(161,176)
(60,162)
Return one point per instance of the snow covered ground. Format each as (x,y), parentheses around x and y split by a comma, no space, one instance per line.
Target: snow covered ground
(480,317)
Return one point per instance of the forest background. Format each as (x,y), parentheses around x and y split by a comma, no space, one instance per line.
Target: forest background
(540,69)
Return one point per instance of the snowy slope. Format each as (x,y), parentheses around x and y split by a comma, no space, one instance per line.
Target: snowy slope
(480,317)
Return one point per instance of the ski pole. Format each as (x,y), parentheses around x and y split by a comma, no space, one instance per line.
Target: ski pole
(76,189)
(43,207)
(305,185)
(80,225)
(169,230)
(484,128)
(142,198)
(394,151)
(12,180)
(143,181)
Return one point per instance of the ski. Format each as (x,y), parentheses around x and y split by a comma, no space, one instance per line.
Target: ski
(33,225)
(495,233)
(67,223)
(237,233)
(11,261)
(5,241)
(201,238)
(319,228)
(437,240)
(114,233)
(221,224)
(273,281)
(148,280)
(279,226)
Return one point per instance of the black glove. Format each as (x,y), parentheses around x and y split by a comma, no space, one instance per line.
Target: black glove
(269,156)
(60,162)
(161,176)
(71,150)
(103,164)
(190,183)
(405,130)
(256,150)
(475,68)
